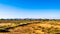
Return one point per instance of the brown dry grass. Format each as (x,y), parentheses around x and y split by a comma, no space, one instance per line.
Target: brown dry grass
(36,27)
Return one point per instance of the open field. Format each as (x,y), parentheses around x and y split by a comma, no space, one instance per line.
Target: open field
(28,26)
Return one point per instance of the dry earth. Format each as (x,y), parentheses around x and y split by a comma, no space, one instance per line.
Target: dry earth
(36,28)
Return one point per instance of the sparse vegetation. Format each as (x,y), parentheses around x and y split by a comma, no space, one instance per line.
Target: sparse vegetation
(30,26)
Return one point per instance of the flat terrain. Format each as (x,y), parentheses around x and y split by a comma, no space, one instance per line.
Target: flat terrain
(30,26)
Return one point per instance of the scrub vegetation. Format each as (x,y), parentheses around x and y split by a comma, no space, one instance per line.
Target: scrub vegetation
(29,26)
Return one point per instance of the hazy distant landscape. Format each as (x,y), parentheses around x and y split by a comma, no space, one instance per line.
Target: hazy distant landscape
(29,16)
(29,26)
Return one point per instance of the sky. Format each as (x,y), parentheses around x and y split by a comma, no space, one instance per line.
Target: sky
(49,9)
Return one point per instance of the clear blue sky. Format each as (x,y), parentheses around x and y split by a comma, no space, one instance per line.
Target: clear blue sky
(30,9)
